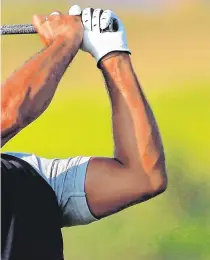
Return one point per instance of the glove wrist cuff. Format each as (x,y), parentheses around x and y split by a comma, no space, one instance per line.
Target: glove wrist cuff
(104,52)
(111,54)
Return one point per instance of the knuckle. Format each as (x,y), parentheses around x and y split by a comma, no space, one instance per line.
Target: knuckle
(54,18)
(75,19)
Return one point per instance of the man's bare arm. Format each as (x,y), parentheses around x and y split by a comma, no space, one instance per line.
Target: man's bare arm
(137,171)
(29,91)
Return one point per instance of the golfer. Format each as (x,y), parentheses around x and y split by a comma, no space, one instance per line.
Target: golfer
(39,195)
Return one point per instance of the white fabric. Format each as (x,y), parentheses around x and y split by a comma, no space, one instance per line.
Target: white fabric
(67,179)
(75,10)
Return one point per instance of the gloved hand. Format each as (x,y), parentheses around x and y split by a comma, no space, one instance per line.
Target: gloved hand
(103,32)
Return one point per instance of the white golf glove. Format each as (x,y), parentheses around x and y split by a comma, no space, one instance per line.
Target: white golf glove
(104,32)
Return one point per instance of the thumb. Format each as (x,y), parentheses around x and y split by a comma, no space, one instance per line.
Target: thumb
(75,10)
(38,20)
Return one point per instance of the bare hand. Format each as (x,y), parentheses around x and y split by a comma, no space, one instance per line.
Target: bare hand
(57,25)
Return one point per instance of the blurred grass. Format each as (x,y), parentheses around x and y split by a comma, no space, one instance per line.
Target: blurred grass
(171,56)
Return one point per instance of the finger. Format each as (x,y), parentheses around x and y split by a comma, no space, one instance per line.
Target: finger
(38,21)
(105,19)
(96,20)
(117,22)
(75,10)
(87,18)
(109,21)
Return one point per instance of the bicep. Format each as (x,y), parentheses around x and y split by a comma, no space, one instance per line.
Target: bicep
(111,187)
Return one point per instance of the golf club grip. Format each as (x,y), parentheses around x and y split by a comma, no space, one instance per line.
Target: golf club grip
(17,29)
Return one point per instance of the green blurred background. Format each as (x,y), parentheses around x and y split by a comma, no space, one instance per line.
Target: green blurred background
(170,43)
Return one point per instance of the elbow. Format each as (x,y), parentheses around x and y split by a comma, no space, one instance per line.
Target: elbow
(156,182)
(158,177)
(159,182)
(150,186)
(161,187)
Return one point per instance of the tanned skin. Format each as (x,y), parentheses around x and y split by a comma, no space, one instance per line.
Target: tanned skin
(29,91)
(137,170)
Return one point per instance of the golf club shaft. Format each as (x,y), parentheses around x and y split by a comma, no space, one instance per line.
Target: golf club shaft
(17,29)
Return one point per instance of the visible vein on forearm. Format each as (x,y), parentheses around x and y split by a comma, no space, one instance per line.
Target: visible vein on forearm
(29,91)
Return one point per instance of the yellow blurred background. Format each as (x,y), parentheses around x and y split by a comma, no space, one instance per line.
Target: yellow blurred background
(170,43)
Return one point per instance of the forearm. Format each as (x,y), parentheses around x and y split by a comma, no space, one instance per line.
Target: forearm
(29,91)
(136,136)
